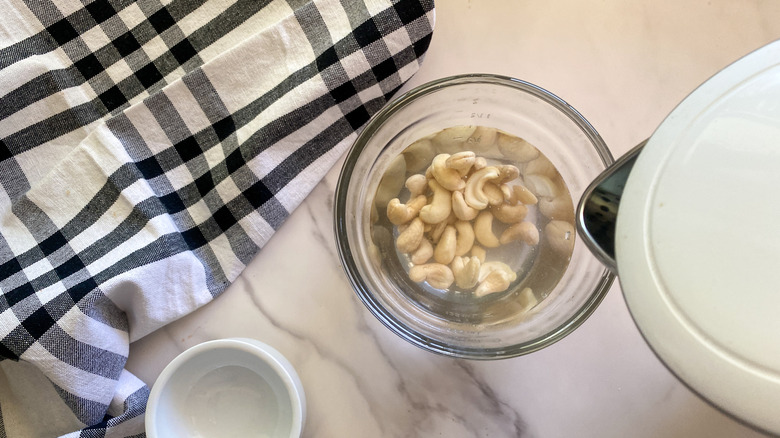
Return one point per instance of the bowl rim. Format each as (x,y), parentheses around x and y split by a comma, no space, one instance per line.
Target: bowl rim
(278,364)
(350,266)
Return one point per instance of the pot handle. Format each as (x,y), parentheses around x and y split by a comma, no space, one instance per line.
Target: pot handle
(598,208)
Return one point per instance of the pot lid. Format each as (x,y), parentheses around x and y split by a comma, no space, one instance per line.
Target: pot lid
(698,240)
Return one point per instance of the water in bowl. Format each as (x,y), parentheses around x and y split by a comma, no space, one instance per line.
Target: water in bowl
(538,268)
(232,400)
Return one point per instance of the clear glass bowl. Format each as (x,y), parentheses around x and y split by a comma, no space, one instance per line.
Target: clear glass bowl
(488,330)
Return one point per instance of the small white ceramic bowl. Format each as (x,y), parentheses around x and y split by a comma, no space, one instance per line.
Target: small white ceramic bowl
(227,388)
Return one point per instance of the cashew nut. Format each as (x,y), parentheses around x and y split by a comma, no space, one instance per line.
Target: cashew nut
(541,186)
(527,299)
(461,161)
(411,237)
(379,236)
(462,210)
(466,271)
(417,185)
(521,194)
(447,177)
(560,235)
(516,149)
(465,237)
(474,194)
(479,163)
(440,207)
(437,275)
(493,192)
(392,182)
(494,277)
(423,253)
(525,232)
(557,208)
(483,230)
(399,213)
(450,139)
(540,166)
(418,155)
(489,267)
(455,133)
(507,172)
(436,230)
(479,252)
(445,248)
(510,214)
(483,137)
(508,193)
(429,173)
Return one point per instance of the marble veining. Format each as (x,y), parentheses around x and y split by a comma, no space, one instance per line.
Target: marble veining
(624,65)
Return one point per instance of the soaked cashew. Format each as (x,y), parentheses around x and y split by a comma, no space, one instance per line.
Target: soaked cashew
(560,235)
(507,172)
(437,275)
(461,161)
(417,185)
(450,140)
(525,232)
(411,237)
(436,230)
(456,134)
(465,237)
(445,248)
(495,282)
(527,299)
(447,177)
(399,213)
(392,182)
(483,230)
(540,166)
(423,253)
(508,193)
(462,210)
(521,194)
(419,154)
(516,149)
(559,208)
(474,194)
(440,207)
(489,267)
(482,138)
(466,271)
(510,214)
(479,252)
(494,277)
(479,164)
(494,193)
(541,186)
(429,173)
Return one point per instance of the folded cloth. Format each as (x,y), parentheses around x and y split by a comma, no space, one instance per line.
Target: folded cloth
(148,150)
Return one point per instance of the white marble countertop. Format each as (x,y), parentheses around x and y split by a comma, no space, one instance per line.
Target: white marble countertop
(624,64)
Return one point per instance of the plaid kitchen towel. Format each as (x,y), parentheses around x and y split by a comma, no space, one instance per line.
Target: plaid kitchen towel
(147,151)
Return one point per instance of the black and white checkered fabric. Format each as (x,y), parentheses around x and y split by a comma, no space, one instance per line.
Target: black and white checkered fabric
(148,150)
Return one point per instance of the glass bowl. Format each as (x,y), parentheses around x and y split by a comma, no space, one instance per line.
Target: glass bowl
(497,325)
